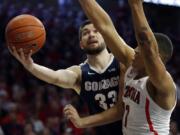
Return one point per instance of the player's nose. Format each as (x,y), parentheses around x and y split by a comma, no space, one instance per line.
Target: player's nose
(91,34)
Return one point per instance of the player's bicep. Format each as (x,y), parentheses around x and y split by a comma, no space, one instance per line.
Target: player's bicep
(66,78)
(159,77)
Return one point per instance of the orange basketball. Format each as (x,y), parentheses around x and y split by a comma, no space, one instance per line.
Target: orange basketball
(26,32)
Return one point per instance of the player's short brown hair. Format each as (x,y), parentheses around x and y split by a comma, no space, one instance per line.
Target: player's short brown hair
(165,45)
(86,22)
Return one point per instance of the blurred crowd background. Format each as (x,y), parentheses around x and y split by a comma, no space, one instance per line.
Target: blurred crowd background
(29,106)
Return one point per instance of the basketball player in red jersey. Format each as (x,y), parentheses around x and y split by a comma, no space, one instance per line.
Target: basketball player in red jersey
(150,93)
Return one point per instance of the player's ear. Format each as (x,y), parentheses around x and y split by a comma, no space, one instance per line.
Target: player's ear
(164,58)
(81,45)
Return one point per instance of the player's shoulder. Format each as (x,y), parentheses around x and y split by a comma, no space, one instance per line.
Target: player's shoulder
(75,68)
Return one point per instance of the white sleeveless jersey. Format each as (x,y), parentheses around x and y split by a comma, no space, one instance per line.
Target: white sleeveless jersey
(142,116)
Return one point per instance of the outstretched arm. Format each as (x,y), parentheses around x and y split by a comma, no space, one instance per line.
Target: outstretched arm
(105,26)
(154,66)
(67,78)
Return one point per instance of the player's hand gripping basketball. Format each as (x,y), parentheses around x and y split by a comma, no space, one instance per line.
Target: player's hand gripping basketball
(25,60)
(72,114)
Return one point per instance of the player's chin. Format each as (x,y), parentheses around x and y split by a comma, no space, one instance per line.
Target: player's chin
(93,48)
(93,45)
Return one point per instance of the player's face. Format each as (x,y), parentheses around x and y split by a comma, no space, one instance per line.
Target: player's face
(92,41)
(138,61)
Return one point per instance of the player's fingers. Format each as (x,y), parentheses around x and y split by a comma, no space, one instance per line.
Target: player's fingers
(67,113)
(30,54)
(72,108)
(67,107)
(22,54)
(10,50)
(14,52)
(70,117)
(65,110)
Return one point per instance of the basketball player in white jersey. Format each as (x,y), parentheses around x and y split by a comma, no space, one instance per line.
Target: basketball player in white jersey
(149,94)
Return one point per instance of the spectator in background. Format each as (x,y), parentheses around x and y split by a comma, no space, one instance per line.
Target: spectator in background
(14,121)
(174,128)
(1,131)
(28,129)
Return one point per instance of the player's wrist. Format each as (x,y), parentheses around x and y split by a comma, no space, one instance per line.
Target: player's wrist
(83,123)
(29,67)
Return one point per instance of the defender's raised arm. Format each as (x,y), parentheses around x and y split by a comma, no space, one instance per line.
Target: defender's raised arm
(155,50)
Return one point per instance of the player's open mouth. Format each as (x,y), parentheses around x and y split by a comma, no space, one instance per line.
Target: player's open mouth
(90,42)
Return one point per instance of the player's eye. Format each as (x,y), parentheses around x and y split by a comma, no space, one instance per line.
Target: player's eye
(85,33)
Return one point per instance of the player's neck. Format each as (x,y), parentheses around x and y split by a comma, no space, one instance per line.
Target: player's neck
(100,60)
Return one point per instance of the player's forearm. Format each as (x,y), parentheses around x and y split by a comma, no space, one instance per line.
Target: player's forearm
(142,29)
(42,73)
(145,37)
(106,117)
(96,14)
